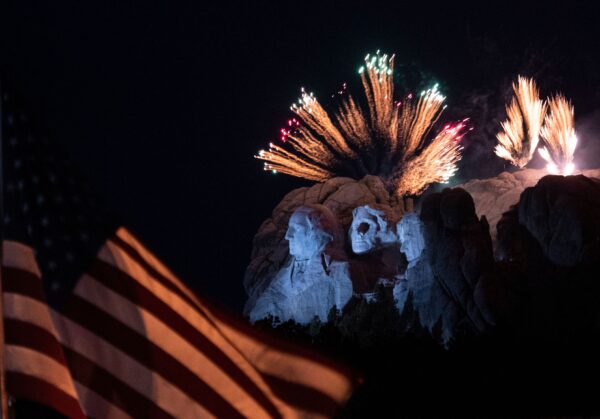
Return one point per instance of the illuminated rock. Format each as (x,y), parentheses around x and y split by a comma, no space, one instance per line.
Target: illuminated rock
(410,236)
(316,276)
(563,215)
(550,240)
(341,195)
(449,251)
(418,276)
(376,259)
(371,229)
(494,196)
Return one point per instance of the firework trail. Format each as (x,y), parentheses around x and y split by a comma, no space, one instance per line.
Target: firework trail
(389,142)
(437,162)
(559,137)
(520,136)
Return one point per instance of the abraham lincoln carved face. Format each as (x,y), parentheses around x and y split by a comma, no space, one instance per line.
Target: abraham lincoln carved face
(410,235)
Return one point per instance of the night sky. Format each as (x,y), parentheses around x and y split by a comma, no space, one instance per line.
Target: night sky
(162,105)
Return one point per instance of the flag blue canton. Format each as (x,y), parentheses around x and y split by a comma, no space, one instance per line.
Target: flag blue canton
(131,339)
(47,205)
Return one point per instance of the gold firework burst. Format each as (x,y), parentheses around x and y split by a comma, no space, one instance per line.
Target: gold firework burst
(525,114)
(389,142)
(559,137)
(436,163)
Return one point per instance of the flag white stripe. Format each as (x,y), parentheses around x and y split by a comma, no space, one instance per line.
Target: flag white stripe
(95,405)
(160,334)
(126,236)
(251,355)
(265,358)
(31,362)
(269,359)
(113,255)
(281,364)
(19,256)
(128,370)
(29,310)
(19,359)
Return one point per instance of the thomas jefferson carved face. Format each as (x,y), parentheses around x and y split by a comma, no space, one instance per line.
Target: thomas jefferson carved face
(370,230)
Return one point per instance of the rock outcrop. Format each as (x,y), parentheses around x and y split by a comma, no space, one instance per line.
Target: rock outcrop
(494,196)
(456,255)
(341,195)
(438,263)
(563,215)
(376,257)
(550,242)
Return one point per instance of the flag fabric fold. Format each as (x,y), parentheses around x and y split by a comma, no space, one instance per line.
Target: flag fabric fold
(97,326)
(134,341)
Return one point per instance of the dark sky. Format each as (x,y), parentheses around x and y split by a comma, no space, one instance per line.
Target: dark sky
(163,104)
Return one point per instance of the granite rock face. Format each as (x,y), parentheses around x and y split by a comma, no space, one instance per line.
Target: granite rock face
(410,236)
(418,276)
(550,241)
(494,196)
(371,229)
(563,215)
(437,263)
(449,252)
(437,259)
(376,257)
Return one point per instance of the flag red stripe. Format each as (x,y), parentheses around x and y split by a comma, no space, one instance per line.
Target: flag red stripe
(129,366)
(121,283)
(32,388)
(23,282)
(25,334)
(96,378)
(166,282)
(241,325)
(149,355)
(280,344)
(303,397)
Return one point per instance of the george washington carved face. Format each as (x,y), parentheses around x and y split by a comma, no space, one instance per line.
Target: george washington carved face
(312,229)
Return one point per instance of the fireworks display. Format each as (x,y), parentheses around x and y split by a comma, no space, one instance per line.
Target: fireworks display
(389,142)
(437,162)
(523,128)
(559,137)
(525,114)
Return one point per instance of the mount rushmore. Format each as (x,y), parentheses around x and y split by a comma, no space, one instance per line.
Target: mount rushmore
(346,239)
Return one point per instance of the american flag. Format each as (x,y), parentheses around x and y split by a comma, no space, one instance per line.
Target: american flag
(96,326)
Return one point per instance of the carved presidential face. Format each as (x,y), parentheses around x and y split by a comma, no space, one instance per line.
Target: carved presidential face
(410,235)
(308,233)
(370,230)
